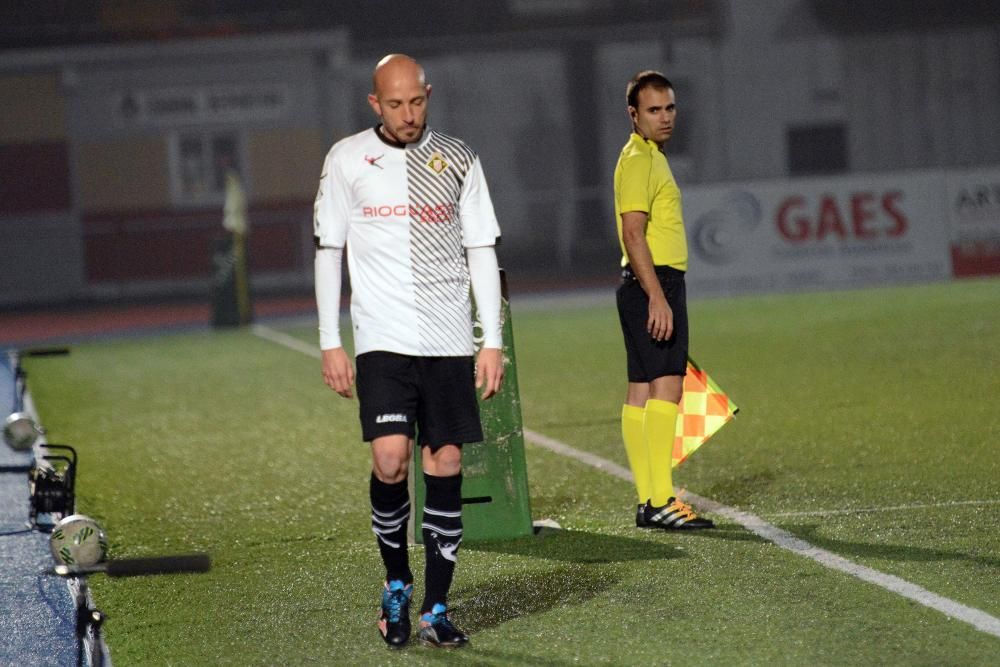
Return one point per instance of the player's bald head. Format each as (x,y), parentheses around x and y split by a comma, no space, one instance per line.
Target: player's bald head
(395,69)
(399,97)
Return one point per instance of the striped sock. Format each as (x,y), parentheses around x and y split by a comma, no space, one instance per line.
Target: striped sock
(442,531)
(390,512)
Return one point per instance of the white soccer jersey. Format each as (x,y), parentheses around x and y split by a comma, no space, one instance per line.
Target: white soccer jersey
(406,215)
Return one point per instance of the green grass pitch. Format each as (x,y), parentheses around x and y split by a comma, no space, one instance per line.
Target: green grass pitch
(882,402)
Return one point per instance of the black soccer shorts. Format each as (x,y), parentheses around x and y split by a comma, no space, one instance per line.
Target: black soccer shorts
(430,397)
(648,359)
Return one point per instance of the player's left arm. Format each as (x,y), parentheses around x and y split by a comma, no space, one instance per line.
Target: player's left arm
(485,275)
(480,231)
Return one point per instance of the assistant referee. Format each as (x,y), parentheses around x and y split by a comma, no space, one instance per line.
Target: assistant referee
(651,301)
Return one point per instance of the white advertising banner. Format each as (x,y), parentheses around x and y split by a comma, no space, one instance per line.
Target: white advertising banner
(817,233)
(974,212)
(202,104)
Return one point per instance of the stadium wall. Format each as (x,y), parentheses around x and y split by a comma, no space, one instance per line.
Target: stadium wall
(112,153)
(114,157)
(39,247)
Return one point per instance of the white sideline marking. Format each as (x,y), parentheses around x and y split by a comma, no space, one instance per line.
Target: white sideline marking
(290,342)
(975,617)
(592,460)
(889,508)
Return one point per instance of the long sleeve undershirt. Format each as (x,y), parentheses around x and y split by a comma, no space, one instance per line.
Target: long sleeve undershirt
(485,276)
(327,266)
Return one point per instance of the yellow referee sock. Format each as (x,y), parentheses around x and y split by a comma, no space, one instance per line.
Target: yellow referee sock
(635,449)
(659,427)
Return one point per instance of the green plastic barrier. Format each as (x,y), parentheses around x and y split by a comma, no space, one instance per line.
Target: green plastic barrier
(495,502)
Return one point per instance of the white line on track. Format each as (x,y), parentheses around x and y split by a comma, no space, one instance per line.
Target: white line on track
(977,618)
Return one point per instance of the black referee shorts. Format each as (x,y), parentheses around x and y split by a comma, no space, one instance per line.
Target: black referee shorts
(649,359)
(433,397)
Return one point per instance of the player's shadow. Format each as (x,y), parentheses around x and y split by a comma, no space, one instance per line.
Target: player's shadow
(580,546)
(903,552)
(476,655)
(507,597)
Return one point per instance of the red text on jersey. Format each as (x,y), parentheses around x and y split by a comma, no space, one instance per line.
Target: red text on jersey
(420,213)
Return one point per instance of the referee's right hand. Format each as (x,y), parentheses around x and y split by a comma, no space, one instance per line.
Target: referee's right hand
(660,324)
(338,373)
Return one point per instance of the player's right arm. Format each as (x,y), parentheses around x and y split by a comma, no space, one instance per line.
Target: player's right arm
(338,372)
(331,221)
(660,323)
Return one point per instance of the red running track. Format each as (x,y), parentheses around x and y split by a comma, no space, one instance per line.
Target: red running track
(73,322)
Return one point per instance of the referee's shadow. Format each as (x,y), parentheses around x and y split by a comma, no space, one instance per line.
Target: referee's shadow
(815,534)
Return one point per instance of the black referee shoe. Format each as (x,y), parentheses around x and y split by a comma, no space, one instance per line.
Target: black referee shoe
(675,515)
(640,516)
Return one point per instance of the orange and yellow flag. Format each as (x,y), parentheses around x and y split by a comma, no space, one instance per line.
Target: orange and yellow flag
(704,409)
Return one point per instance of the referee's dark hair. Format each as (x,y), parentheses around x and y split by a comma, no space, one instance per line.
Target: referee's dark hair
(645,79)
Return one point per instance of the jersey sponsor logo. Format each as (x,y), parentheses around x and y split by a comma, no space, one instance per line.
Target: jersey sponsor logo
(437,163)
(388,418)
(421,213)
(373,161)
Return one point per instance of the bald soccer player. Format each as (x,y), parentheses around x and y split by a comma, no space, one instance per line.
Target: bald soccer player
(412,207)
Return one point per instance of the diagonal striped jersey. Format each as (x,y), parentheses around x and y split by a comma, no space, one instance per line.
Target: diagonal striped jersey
(406,215)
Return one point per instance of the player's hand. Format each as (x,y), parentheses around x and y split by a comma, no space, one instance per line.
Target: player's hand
(338,373)
(660,324)
(489,371)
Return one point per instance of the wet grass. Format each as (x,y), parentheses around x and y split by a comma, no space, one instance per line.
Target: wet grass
(227,443)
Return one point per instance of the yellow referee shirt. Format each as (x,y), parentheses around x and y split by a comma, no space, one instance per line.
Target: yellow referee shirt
(644,182)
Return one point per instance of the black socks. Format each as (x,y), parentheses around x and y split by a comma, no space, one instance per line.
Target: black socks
(390,512)
(442,532)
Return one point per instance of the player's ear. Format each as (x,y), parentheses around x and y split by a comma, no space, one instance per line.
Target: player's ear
(632,113)
(428,88)
(373,103)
